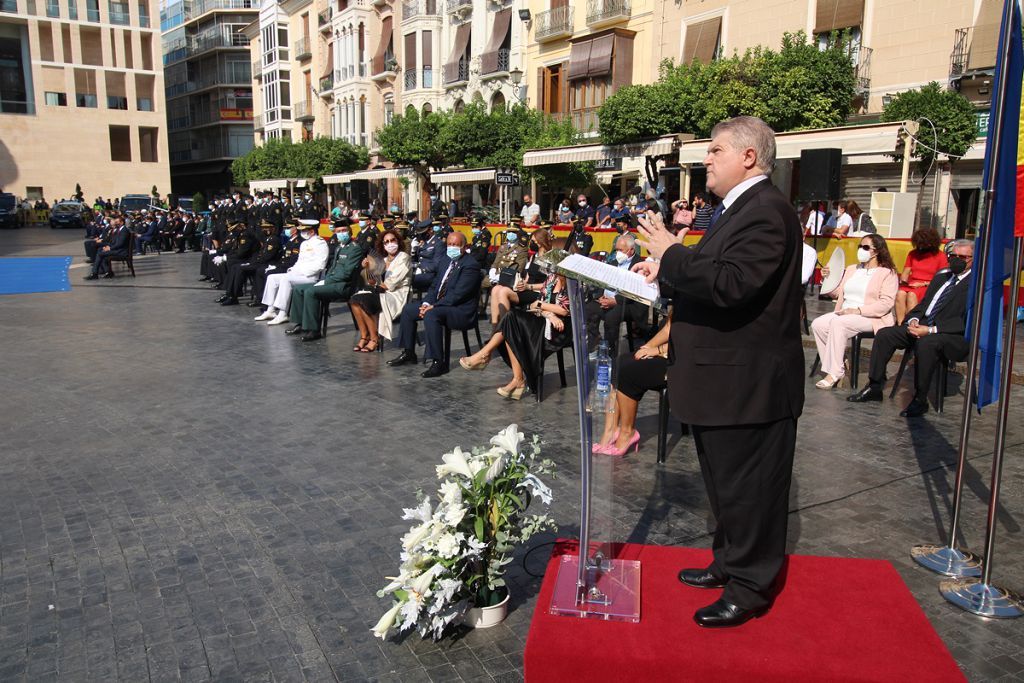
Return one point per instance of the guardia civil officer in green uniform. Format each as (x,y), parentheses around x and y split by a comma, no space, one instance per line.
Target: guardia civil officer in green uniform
(340,282)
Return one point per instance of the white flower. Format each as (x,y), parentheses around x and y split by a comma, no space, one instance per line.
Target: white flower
(454,463)
(448,545)
(416,534)
(508,439)
(420,586)
(538,488)
(387,621)
(495,469)
(421,512)
(451,493)
(453,515)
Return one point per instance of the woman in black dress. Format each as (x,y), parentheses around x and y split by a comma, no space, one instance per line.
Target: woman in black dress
(527,289)
(526,336)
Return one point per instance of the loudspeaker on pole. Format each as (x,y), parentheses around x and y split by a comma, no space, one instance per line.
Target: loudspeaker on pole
(820,173)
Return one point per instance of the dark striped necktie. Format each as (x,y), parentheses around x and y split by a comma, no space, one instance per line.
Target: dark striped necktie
(942,299)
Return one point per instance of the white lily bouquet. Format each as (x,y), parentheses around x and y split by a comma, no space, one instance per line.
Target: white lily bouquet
(455,554)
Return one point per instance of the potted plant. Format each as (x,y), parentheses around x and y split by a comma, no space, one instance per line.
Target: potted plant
(453,559)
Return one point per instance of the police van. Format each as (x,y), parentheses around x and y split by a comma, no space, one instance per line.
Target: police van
(135,202)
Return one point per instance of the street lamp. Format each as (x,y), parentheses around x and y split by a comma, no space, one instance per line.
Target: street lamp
(517,76)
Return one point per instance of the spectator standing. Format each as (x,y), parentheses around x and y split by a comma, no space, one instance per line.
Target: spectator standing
(682,216)
(565,212)
(585,212)
(530,212)
(604,213)
(701,212)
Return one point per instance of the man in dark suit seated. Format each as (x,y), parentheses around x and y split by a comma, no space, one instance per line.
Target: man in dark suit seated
(451,302)
(117,246)
(934,329)
(149,234)
(613,308)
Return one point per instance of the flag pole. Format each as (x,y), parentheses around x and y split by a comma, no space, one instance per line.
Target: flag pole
(975,595)
(949,560)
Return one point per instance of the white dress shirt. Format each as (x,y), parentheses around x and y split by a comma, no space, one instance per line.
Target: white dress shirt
(735,192)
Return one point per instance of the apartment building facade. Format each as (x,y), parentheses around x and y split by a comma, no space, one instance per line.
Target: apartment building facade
(208,78)
(81,99)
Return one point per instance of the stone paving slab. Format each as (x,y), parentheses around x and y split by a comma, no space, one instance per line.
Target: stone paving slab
(185,495)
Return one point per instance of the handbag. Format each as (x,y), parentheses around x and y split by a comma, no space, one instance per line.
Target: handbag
(507,277)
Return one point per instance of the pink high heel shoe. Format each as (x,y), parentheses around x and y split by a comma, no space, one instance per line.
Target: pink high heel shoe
(634,444)
(599,447)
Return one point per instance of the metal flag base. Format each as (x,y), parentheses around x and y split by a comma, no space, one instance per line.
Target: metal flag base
(982,599)
(948,561)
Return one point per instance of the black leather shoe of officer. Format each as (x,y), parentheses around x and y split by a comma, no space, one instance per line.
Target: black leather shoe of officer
(700,578)
(91,277)
(722,614)
(404,358)
(311,336)
(868,393)
(435,369)
(229,301)
(915,408)
(205,279)
(294,329)
(222,299)
(108,276)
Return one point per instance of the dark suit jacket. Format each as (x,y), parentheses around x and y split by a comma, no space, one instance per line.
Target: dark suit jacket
(952,317)
(119,243)
(463,287)
(735,355)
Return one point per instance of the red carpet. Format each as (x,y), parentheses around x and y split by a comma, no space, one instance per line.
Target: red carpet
(836,620)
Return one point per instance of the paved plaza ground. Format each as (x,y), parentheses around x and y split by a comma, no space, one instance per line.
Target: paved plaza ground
(187,495)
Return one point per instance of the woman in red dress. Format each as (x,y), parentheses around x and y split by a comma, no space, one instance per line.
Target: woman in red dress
(922,263)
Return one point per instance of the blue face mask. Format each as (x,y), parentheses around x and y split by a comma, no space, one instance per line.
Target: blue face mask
(512,238)
(476,231)
(454,252)
(343,237)
(287,232)
(437,229)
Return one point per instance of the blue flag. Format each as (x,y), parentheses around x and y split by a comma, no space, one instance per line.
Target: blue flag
(997,239)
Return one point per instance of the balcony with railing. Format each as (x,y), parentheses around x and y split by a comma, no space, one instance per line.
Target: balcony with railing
(257,122)
(383,67)
(584,119)
(554,24)
(323,20)
(606,12)
(257,70)
(456,73)
(460,8)
(862,71)
(201,7)
(970,55)
(302,111)
(409,80)
(327,86)
(301,49)
(494,63)
(212,79)
(419,9)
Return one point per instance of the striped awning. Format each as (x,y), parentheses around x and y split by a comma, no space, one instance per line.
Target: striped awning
(875,138)
(371,174)
(462,176)
(576,153)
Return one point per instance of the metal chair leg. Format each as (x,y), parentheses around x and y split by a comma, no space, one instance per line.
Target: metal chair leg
(662,424)
(907,353)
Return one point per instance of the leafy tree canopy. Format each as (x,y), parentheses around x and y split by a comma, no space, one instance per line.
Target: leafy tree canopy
(952,114)
(798,87)
(309,159)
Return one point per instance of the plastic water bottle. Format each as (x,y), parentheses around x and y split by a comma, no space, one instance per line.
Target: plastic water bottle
(603,388)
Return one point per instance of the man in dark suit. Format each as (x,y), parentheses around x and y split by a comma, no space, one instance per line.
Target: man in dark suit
(451,302)
(735,368)
(612,307)
(934,328)
(117,246)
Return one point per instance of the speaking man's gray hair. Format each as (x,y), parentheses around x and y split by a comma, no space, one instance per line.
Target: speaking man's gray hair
(750,131)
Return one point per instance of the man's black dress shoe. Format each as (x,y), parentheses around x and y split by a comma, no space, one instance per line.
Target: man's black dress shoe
(222,299)
(405,357)
(700,578)
(311,336)
(721,614)
(294,329)
(868,393)
(229,301)
(91,277)
(915,408)
(108,276)
(436,369)
(205,279)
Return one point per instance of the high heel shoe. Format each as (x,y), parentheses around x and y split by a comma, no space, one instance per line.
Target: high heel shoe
(829,382)
(370,347)
(361,345)
(633,444)
(467,364)
(600,447)
(514,394)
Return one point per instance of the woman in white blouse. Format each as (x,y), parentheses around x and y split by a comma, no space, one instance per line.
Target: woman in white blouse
(381,300)
(866,296)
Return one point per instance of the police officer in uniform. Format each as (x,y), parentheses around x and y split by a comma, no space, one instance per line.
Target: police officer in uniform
(480,247)
(268,251)
(368,233)
(339,283)
(431,252)
(579,240)
(289,254)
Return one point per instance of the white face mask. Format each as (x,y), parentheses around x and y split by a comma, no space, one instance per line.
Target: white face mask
(582,203)
(863,255)
(621,257)
(391,248)
(362,224)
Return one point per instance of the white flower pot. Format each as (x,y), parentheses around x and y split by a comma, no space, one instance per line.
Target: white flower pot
(486,617)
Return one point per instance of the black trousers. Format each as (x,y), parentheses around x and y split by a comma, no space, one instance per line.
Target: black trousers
(624,309)
(747,471)
(91,247)
(236,276)
(930,350)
